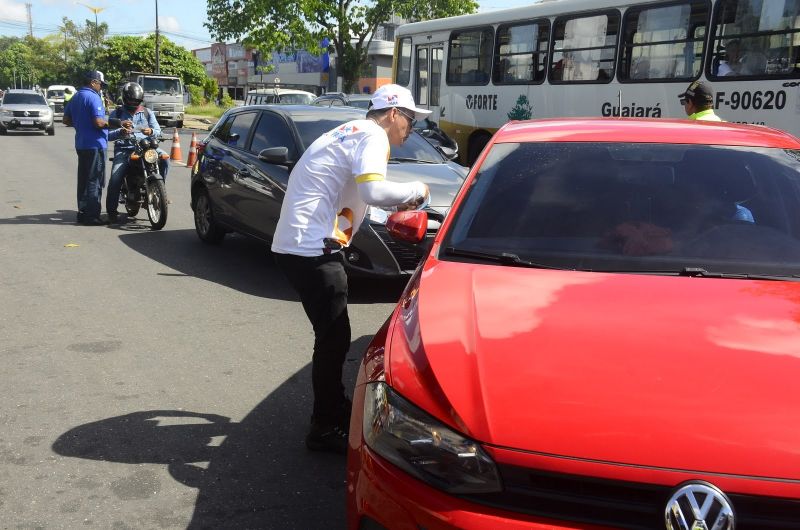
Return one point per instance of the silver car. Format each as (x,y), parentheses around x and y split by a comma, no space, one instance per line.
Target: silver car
(25,109)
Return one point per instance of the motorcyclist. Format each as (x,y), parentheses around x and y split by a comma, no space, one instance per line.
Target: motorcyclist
(135,121)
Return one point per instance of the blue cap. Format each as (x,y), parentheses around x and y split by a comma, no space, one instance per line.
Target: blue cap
(98,75)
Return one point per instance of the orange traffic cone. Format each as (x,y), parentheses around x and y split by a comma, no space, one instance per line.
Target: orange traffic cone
(176,154)
(192,151)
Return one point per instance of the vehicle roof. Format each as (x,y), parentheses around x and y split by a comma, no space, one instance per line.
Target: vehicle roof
(637,130)
(547,8)
(279,91)
(22,91)
(346,113)
(59,87)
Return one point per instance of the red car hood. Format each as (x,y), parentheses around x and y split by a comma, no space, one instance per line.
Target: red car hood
(676,372)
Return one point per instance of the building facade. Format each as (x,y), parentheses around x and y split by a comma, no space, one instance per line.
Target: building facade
(238,69)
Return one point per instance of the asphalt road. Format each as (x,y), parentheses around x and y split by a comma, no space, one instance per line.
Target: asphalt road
(148,380)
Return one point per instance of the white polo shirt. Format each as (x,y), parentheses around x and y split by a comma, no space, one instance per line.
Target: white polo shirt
(322,199)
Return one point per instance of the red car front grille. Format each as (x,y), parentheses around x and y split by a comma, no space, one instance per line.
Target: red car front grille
(619,504)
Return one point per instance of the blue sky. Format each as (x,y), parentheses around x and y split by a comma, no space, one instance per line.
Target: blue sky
(180,20)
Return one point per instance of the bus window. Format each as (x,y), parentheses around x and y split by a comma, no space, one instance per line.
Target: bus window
(437,56)
(663,43)
(521,53)
(755,39)
(584,48)
(470,59)
(403,54)
(421,96)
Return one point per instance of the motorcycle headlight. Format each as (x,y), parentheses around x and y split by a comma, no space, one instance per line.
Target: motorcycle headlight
(423,446)
(378,215)
(151,156)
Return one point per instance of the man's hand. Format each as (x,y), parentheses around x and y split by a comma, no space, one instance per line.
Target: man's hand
(413,205)
(147,131)
(126,124)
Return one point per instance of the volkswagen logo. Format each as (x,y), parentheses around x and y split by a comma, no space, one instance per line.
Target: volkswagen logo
(699,505)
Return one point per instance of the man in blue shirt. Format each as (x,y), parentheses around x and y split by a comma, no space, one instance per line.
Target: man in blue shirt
(136,121)
(87,114)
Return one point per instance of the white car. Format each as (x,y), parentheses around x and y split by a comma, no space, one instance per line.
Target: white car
(279,96)
(25,109)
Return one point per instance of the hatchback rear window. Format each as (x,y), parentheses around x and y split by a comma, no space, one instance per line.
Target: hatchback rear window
(636,207)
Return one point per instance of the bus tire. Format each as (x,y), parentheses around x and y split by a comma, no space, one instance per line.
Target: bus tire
(476,145)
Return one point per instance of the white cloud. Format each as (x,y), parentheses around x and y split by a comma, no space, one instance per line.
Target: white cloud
(13,11)
(168,24)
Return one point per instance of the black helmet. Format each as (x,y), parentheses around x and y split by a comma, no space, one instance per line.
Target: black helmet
(132,95)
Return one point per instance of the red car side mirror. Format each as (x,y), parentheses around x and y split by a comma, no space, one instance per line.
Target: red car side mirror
(409,226)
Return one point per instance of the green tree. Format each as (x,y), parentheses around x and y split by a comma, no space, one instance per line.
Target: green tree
(17,65)
(277,25)
(87,36)
(120,54)
(211,88)
(196,96)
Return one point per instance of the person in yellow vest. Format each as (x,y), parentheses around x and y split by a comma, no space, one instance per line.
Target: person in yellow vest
(68,93)
(698,102)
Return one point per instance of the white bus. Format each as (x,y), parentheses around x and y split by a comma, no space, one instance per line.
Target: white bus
(562,58)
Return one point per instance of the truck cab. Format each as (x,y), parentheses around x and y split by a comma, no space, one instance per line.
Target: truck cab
(163,95)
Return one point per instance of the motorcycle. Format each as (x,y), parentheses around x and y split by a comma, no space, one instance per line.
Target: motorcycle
(143,185)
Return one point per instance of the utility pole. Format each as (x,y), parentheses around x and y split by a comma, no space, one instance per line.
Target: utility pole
(158,59)
(30,20)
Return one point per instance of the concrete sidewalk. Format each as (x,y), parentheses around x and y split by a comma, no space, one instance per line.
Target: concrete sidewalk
(201,123)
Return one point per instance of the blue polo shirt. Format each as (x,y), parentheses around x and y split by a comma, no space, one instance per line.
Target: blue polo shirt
(83,108)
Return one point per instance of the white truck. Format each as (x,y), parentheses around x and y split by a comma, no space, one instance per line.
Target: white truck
(163,95)
(55,98)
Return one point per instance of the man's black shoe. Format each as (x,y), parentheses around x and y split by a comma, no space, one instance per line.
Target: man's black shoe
(331,438)
(94,221)
(113,217)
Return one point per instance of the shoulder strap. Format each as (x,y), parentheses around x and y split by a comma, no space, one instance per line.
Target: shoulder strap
(146,114)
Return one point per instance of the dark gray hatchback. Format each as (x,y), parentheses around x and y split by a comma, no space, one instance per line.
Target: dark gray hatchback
(243,166)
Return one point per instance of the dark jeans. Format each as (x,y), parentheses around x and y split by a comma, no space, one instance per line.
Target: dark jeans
(321,283)
(118,168)
(91,179)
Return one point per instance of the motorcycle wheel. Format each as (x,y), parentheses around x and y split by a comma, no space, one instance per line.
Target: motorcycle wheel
(156,203)
(131,207)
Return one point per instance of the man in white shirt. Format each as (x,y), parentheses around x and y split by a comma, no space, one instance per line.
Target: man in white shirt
(330,188)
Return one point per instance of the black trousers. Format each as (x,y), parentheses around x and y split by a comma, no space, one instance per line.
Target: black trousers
(321,283)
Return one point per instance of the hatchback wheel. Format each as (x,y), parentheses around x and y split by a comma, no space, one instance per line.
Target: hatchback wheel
(207,228)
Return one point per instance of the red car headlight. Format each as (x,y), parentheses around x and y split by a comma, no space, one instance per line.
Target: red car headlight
(424,447)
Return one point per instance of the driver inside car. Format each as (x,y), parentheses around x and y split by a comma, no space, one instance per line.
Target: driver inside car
(137,121)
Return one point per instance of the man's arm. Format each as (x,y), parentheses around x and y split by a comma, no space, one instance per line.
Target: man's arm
(386,193)
(154,124)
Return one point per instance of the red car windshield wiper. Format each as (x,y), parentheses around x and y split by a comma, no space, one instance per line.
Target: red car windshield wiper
(503,258)
(699,272)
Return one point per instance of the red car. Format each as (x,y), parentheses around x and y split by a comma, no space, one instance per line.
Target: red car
(605,333)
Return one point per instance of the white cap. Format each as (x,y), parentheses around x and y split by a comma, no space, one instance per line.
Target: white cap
(396,96)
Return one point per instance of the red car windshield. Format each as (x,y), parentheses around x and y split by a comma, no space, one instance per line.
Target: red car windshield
(634,207)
